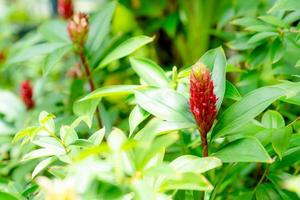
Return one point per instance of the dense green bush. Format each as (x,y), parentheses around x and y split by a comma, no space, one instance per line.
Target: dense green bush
(151,100)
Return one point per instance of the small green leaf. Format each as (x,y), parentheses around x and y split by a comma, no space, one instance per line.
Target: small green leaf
(26,132)
(68,135)
(285,5)
(149,72)
(113,90)
(41,166)
(266,192)
(86,109)
(232,92)
(124,49)
(186,181)
(54,57)
(55,31)
(258,37)
(43,152)
(270,19)
(37,50)
(272,119)
(137,116)
(247,149)
(280,140)
(190,163)
(82,143)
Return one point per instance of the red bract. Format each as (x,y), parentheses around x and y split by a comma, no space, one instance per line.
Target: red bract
(202,100)
(26,93)
(65,8)
(78,28)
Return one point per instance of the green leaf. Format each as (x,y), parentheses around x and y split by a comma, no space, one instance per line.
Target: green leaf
(272,119)
(26,132)
(54,57)
(43,152)
(100,27)
(186,181)
(246,22)
(82,143)
(215,60)
(258,37)
(149,72)
(285,5)
(137,116)
(246,109)
(261,28)
(277,50)
(86,110)
(7,196)
(297,65)
(232,92)
(124,49)
(41,166)
(37,50)
(113,90)
(165,104)
(247,149)
(270,19)
(190,163)
(55,31)
(68,135)
(47,120)
(280,140)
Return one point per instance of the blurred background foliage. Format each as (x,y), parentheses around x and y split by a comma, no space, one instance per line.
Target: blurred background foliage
(262,47)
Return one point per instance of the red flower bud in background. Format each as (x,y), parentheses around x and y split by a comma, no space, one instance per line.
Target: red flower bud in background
(65,8)
(26,93)
(202,101)
(78,28)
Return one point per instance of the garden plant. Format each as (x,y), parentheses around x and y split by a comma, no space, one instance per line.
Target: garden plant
(150,100)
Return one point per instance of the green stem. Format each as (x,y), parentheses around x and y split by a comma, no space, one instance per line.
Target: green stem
(220,181)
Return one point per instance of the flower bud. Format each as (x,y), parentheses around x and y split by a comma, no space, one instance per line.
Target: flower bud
(26,93)
(65,8)
(78,28)
(202,98)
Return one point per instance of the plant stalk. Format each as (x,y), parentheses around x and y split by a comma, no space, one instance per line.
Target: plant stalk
(204,144)
(91,82)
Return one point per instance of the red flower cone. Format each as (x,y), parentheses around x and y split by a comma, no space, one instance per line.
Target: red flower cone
(26,93)
(202,101)
(78,28)
(65,8)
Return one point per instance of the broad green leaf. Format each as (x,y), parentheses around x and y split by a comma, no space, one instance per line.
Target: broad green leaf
(186,181)
(280,140)
(137,116)
(277,50)
(7,196)
(100,27)
(270,19)
(54,57)
(190,163)
(113,90)
(37,50)
(285,5)
(124,49)
(246,109)
(116,139)
(292,184)
(49,143)
(247,149)
(258,37)
(292,17)
(261,28)
(55,31)
(41,166)
(272,119)
(215,60)
(165,104)
(232,92)
(149,72)
(97,137)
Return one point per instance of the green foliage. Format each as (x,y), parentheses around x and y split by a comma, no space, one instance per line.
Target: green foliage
(133,136)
